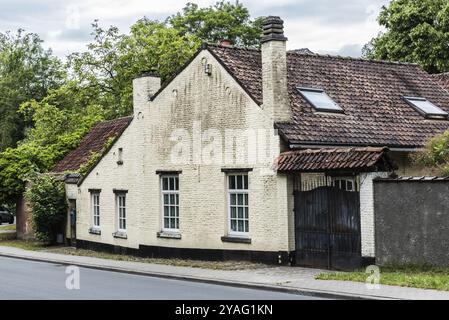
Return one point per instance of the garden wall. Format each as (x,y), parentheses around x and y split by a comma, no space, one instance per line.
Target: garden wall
(411,221)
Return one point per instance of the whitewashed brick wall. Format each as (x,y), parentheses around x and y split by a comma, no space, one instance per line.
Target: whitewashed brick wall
(367,211)
(217,102)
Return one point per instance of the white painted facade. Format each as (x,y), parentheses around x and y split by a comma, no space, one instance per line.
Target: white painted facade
(205,110)
(367,211)
(202,106)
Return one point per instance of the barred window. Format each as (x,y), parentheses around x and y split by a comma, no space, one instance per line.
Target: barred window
(238,204)
(170,202)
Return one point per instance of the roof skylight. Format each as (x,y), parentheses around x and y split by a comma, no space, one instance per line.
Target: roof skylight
(426,108)
(319,100)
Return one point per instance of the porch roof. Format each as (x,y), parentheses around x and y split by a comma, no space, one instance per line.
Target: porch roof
(335,159)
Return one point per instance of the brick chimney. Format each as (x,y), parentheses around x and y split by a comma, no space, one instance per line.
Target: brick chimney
(144,87)
(274,70)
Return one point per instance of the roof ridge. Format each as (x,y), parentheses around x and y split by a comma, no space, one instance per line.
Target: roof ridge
(210,44)
(116,119)
(330,56)
(440,75)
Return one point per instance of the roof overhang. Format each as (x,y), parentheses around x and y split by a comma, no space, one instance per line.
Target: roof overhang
(367,159)
(72,178)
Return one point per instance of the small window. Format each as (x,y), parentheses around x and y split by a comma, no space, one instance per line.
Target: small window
(238,204)
(319,100)
(120,156)
(96,209)
(170,202)
(426,108)
(121,211)
(345,183)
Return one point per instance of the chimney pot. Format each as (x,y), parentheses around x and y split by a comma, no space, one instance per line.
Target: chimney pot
(273,29)
(226,42)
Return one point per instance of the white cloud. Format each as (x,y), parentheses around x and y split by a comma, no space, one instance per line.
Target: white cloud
(320,25)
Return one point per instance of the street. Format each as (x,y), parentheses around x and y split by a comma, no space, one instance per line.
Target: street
(30,280)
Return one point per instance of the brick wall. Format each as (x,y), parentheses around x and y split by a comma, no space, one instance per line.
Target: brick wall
(412,225)
(193,99)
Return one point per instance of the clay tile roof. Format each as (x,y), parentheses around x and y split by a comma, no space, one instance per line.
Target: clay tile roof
(370,93)
(355,159)
(93,142)
(443,79)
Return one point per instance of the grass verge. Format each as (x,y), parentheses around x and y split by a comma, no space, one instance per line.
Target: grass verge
(423,277)
(22,244)
(216,265)
(9,227)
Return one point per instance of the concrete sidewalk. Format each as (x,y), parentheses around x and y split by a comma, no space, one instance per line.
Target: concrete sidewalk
(288,279)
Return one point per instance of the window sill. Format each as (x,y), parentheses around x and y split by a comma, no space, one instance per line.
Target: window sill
(120,235)
(235,239)
(95,231)
(169,235)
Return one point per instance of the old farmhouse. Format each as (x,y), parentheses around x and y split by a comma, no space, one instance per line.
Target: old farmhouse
(261,154)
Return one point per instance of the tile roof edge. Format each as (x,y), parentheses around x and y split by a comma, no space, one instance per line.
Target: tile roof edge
(113,120)
(330,56)
(293,52)
(205,46)
(176,74)
(228,70)
(106,151)
(338,150)
(129,118)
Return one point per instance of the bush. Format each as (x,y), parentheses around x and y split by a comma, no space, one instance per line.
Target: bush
(47,199)
(436,154)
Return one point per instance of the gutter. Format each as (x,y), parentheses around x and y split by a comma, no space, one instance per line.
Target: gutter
(296,146)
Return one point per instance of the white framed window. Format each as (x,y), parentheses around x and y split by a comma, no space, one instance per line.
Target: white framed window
(121,211)
(426,108)
(319,100)
(170,202)
(96,209)
(345,183)
(238,204)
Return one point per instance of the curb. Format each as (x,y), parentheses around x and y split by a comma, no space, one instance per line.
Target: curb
(258,286)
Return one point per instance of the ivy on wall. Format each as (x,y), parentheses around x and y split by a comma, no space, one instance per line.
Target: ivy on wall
(46,196)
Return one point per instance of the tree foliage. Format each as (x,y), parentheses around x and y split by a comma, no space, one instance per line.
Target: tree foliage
(55,133)
(113,59)
(436,154)
(416,31)
(47,199)
(224,20)
(27,71)
(61,103)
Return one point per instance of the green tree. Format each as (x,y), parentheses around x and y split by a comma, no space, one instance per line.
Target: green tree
(416,31)
(98,84)
(224,20)
(113,59)
(55,133)
(106,70)
(436,154)
(27,71)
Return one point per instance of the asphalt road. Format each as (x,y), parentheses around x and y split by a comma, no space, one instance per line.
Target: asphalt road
(30,280)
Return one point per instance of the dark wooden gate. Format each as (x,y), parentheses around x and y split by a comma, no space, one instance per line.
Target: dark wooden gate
(327,223)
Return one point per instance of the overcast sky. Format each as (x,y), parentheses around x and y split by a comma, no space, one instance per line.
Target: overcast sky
(324,26)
